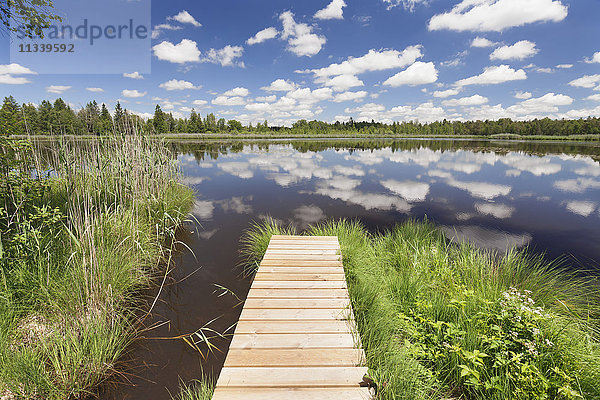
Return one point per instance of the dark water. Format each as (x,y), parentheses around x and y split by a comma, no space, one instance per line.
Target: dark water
(499,195)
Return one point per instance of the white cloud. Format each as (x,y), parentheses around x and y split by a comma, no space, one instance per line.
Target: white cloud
(579,185)
(500,211)
(203,209)
(333,11)
(482,190)
(308,215)
(372,61)
(267,99)
(229,101)
(474,100)
(199,102)
(595,58)
(225,56)
(184,51)
(94,89)
(15,69)
(409,190)
(185,17)
(301,39)
(564,66)
(58,89)
(132,93)
(261,36)
(407,4)
(586,81)
(442,94)
(498,15)
(548,103)
(306,96)
(13,80)
(482,42)
(133,75)
(518,51)
(493,76)
(157,30)
(523,95)
(342,83)
(419,73)
(238,91)
(537,166)
(594,97)
(175,84)
(350,96)
(583,208)
(280,85)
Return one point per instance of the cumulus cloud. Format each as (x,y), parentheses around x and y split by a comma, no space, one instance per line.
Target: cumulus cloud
(474,100)
(518,51)
(586,81)
(564,66)
(300,37)
(280,85)
(500,211)
(523,95)
(374,60)
(583,208)
(8,70)
(133,75)
(185,17)
(58,89)
(342,83)
(238,91)
(229,101)
(175,84)
(407,4)
(442,94)
(94,89)
(132,93)
(157,30)
(482,42)
(350,96)
(333,11)
(199,102)
(409,190)
(498,15)
(184,51)
(594,59)
(493,76)
(226,56)
(420,73)
(548,103)
(262,36)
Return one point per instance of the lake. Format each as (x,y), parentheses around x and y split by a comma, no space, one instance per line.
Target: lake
(495,194)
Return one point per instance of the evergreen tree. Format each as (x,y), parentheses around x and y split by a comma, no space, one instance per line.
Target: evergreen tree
(159,120)
(11,119)
(119,119)
(105,121)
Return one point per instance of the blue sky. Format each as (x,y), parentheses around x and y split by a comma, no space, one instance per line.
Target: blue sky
(388,60)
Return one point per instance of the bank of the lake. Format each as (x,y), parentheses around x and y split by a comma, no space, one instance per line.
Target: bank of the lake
(446,320)
(78,245)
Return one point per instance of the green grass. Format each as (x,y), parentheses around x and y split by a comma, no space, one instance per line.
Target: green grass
(198,390)
(445,320)
(77,249)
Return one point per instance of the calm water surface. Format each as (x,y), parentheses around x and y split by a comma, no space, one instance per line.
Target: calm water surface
(498,195)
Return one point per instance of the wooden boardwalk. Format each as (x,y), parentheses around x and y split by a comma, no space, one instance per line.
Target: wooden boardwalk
(295,339)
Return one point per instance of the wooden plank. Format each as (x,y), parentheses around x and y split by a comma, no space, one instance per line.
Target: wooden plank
(303,257)
(299,237)
(301,263)
(297,303)
(293,314)
(305,357)
(303,252)
(302,270)
(293,326)
(299,285)
(293,341)
(272,377)
(275,276)
(292,394)
(296,293)
(300,246)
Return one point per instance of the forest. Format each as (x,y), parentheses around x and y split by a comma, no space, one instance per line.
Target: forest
(59,118)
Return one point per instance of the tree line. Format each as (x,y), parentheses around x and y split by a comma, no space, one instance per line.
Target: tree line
(59,118)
